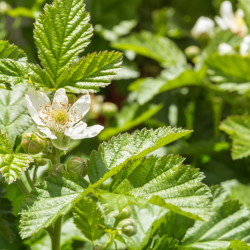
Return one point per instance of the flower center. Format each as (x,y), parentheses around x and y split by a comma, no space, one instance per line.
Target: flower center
(60,116)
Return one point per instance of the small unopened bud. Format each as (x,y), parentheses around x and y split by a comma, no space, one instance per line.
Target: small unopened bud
(109,109)
(77,165)
(32,143)
(124,214)
(128,227)
(192,51)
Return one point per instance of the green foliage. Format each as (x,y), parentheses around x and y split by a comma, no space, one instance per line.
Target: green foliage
(159,48)
(50,199)
(229,221)
(238,127)
(11,51)
(119,150)
(229,68)
(164,182)
(87,217)
(130,116)
(14,118)
(11,165)
(91,72)
(173,78)
(61,34)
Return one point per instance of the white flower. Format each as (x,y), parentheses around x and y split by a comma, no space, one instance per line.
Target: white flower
(203,26)
(225,48)
(60,119)
(245,46)
(228,20)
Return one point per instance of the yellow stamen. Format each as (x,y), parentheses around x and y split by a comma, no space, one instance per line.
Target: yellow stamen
(60,116)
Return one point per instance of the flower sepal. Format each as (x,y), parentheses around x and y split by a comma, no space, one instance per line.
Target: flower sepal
(62,142)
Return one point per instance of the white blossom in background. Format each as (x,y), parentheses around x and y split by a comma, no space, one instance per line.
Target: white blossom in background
(59,118)
(225,48)
(230,20)
(203,26)
(245,46)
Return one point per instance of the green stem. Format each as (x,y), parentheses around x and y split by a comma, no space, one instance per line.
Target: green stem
(35,174)
(22,187)
(29,179)
(55,231)
(56,236)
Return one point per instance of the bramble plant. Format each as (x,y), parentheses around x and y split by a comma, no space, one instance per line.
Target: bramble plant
(120,196)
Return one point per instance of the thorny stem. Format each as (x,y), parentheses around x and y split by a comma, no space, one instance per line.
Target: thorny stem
(55,230)
(35,173)
(29,179)
(56,234)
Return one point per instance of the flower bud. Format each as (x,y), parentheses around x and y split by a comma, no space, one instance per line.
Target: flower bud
(128,227)
(192,51)
(109,109)
(125,213)
(32,143)
(77,165)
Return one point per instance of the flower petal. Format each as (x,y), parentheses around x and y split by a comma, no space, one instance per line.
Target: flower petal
(60,99)
(223,25)
(81,131)
(47,132)
(81,107)
(35,103)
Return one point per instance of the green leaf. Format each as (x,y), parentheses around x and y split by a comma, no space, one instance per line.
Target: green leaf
(173,78)
(11,51)
(91,72)
(164,182)
(130,116)
(61,34)
(50,199)
(229,68)
(14,72)
(159,48)
(239,245)
(166,243)
(238,191)
(14,118)
(87,215)
(146,219)
(7,219)
(238,127)
(229,221)
(119,150)
(11,165)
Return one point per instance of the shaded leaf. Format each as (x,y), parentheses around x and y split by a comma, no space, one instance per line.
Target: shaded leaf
(159,48)
(173,78)
(130,116)
(14,118)
(238,127)
(87,217)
